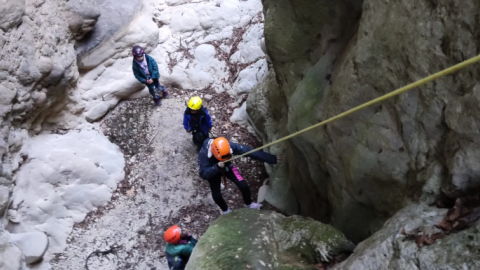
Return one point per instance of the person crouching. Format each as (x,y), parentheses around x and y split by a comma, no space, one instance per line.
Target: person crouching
(180,245)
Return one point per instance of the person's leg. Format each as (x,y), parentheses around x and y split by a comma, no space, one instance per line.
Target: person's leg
(215,187)
(151,89)
(198,137)
(238,180)
(161,88)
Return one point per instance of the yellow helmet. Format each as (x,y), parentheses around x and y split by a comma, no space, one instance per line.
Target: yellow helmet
(195,103)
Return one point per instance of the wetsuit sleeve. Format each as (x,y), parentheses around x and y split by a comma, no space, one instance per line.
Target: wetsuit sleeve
(239,149)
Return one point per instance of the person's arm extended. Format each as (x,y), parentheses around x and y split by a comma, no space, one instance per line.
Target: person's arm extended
(239,149)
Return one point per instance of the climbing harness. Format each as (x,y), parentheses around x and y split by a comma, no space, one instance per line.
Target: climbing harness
(397,92)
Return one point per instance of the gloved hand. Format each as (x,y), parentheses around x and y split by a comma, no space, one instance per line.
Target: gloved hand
(221,164)
(279,158)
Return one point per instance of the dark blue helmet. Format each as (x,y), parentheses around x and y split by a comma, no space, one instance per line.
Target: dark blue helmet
(137,51)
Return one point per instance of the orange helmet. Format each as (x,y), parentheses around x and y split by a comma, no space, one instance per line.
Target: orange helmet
(172,234)
(221,149)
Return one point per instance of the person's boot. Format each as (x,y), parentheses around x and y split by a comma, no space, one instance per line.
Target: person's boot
(157,101)
(226,212)
(165,94)
(254,205)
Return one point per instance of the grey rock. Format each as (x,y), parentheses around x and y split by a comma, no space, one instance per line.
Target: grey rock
(32,244)
(97,112)
(389,249)
(11,13)
(4,198)
(10,257)
(7,94)
(368,166)
(115,16)
(81,15)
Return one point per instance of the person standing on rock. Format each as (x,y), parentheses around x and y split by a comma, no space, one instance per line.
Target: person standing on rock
(213,167)
(145,70)
(180,245)
(197,121)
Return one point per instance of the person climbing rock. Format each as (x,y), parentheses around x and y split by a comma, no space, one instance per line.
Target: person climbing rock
(213,167)
(197,121)
(180,246)
(145,70)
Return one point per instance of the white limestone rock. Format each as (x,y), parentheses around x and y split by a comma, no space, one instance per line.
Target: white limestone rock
(65,177)
(250,76)
(103,87)
(141,30)
(4,196)
(11,257)
(240,116)
(81,16)
(32,244)
(11,13)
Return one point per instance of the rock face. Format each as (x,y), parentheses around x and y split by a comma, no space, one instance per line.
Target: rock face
(388,248)
(81,15)
(35,74)
(12,13)
(368,166)
(64,178)
(37,71)
(255,239)
(33,245)
(11,257)
(120,26)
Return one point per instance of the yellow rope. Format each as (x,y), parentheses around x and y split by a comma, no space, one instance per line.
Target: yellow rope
(409,87)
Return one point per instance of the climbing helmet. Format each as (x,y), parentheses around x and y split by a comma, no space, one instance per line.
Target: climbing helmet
(195,103)
(137,51)
(172,235)
(221,149)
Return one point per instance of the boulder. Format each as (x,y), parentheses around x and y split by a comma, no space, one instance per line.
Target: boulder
(252,239)
(389,249)
(32,244)
(97,112)
(120,26)
(81,15)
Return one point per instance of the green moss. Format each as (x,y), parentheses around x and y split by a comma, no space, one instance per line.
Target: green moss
(262,239)
(233,240)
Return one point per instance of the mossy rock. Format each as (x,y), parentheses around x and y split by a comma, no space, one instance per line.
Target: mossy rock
(252,239)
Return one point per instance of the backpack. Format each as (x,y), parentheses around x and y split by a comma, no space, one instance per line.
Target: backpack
(199,136)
